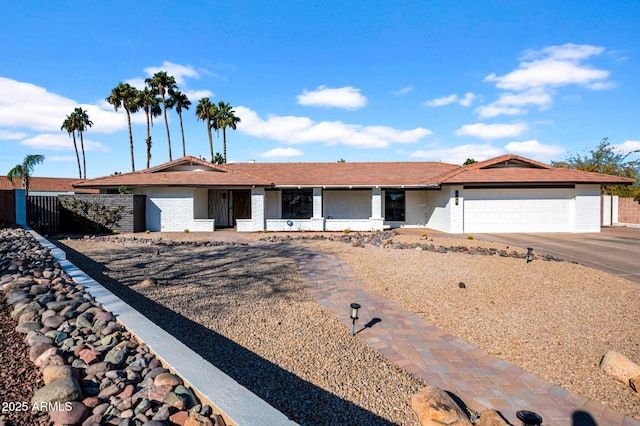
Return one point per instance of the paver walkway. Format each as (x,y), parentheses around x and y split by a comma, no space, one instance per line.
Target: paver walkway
(477,378)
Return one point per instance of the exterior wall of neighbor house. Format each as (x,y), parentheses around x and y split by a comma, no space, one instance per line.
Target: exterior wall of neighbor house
(174,209)
(587,208)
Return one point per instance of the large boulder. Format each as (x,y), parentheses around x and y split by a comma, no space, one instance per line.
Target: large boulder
(60,391)
(619,367)
(435,407)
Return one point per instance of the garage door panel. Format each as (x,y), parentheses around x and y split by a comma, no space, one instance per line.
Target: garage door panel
(518,210)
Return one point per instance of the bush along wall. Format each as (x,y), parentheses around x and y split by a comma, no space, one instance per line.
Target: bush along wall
(102,213)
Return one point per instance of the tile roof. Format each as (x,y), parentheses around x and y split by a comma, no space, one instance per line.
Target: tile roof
(513,169)
(43,184)
(507,169)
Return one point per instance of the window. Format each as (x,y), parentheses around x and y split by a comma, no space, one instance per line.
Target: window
(394,205)
(297,204)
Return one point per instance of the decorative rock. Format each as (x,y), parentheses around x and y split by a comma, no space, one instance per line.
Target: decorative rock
(51,373)
(84,320)
(29,307)
(72,413)
(167,379)
(98,367)
(49,357)
(63,390)
(27,327)
(38,349)
(155,372)
(175,400)
(158,393)
(435,407)
(179,418)
(491,418)
(184,391)
(91,402)
(634,382)
(89,356)
(619,367)
(196,419)
(111,390)
(54,321)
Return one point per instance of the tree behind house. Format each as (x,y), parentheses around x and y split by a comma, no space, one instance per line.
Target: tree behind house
(607,160)
(23,171)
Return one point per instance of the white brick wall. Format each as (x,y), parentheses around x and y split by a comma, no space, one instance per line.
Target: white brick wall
(172,209)
(587,208)
(347,204)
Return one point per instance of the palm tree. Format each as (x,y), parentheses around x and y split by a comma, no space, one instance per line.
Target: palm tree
(69,125)
(24,170)
(82,122)
(225,117)
(148,101)
(163,84)
(125,96)
(206,111)
(180,101)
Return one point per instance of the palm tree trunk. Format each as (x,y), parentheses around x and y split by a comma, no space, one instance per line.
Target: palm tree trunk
(224,141)
(184,150)
(84,160)
(166,123)
(133,164)
(75,146)
(148,138)
(210,141)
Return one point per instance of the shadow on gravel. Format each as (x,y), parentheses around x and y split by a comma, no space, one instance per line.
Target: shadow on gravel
(298,399)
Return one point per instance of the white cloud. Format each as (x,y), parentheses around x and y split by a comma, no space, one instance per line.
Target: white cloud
(468,99)
(179,72)
(344,97)
(61,142)
(403,91)
(282,152)
(459,154)
(195,95)
(446,100)
(298,130)
(533,148)
(628,146)
(8,135)
(553,66)
(491,131)
(492,110)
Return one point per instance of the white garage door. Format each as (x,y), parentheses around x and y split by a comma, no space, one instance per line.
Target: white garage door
(518,210)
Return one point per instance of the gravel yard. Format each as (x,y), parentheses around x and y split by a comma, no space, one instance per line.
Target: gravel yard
(234,305)
(243,308)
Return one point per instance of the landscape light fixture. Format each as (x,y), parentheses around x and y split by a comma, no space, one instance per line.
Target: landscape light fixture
(529,254)
(354,317)
(529,418)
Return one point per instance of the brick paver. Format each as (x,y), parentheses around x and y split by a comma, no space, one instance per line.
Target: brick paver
(477,378)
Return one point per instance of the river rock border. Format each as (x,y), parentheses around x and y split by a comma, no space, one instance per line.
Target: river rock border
(96,368)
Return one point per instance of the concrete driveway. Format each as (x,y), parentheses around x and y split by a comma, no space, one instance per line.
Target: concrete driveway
(615,250)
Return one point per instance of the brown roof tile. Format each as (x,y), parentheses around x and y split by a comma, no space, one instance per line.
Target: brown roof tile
(42,184)
(507,169)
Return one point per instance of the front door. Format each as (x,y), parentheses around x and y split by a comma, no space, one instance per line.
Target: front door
(241,205)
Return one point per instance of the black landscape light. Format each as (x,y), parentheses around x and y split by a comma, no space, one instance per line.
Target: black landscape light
(529,254)
(529,418)
(354,317)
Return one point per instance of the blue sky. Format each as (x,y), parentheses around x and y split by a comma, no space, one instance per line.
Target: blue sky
(320,81)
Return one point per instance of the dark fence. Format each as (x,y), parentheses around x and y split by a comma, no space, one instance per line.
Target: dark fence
(7,207)
(43,213)
(99,213)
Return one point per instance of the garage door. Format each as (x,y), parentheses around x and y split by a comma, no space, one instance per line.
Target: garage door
(518,210)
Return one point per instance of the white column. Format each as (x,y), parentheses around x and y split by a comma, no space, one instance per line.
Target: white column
(317,220)
(257,209)
(377,220)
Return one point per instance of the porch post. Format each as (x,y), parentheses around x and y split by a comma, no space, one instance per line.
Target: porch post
(257,209)
(317,220)
(377,220)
